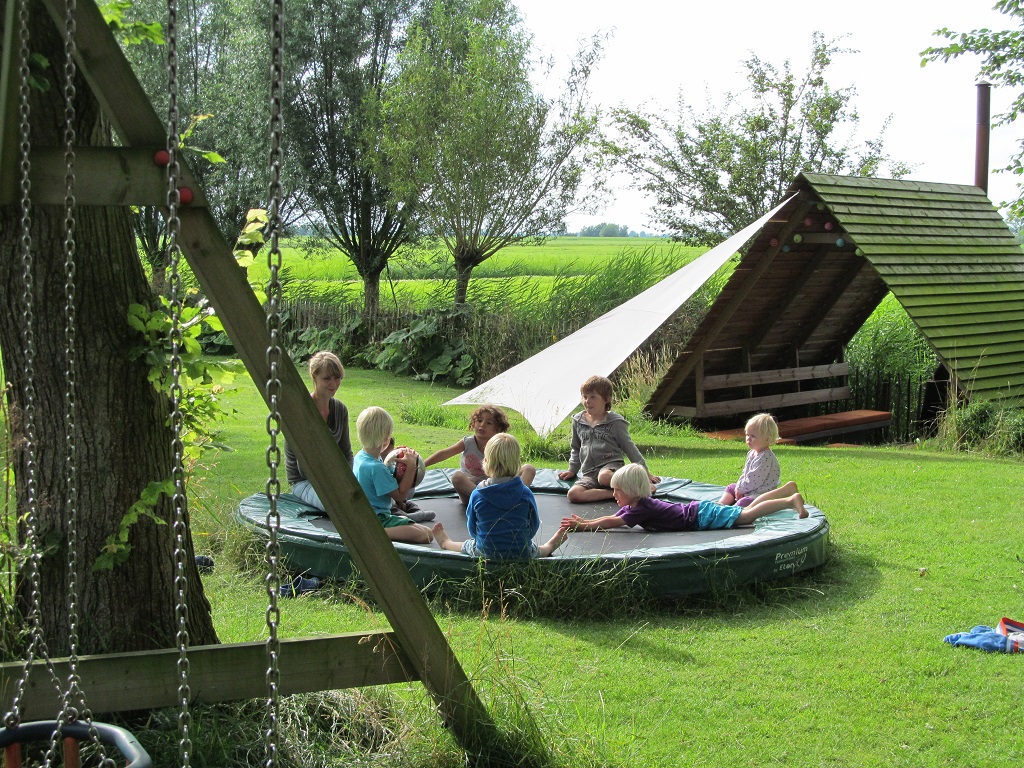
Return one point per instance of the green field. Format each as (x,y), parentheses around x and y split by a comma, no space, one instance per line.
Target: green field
(415,275)
(556,256)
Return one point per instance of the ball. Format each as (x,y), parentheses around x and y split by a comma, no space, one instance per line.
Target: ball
(391,461)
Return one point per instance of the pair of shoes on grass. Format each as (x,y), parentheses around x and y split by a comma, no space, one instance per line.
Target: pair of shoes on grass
(204,563)
(300,586)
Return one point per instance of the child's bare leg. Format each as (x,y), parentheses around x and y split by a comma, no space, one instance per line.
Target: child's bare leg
(410,534)
(762,507)
(548,548)
(782,492)
(580,495)
(727,499)
(463,485)
(527,472)
(444,540)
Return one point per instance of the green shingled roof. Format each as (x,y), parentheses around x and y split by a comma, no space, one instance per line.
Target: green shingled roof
(950,260)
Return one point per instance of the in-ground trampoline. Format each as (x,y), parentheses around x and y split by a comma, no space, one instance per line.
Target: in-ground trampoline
(668,563)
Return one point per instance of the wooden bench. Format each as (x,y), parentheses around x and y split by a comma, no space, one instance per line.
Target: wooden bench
(817,427)
(831,424)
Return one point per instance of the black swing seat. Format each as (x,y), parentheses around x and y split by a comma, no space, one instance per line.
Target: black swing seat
(111,735)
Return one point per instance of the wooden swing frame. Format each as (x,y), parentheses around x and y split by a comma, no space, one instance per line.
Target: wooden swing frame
(416,648)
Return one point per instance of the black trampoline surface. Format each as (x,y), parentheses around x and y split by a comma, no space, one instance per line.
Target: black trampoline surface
(672,562)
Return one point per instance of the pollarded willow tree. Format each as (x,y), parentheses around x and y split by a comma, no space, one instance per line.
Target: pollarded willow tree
(122,438)
(1002,63)
(493,161)
(339,64)
(711,173)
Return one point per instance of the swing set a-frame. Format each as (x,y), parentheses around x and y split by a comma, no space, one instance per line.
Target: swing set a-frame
(415,648)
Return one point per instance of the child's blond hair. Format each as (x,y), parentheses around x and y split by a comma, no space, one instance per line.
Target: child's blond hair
(374,427)
(600,386)
(764,426)
(502,456)
(326,363)
(632,480)
(501,422)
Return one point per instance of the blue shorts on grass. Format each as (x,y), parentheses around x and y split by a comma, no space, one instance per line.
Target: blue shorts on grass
(711,515)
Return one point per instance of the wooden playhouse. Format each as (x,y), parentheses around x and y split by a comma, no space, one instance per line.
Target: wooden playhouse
(774,338)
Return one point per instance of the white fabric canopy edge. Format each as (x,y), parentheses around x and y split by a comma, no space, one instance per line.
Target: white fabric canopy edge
(545,388)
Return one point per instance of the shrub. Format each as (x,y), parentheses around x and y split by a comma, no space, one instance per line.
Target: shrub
(982,425)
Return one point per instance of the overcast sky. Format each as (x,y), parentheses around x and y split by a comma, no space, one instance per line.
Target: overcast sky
(660,48)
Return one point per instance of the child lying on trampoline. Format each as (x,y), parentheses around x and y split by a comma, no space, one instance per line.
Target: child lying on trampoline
(632,490)
(501,515)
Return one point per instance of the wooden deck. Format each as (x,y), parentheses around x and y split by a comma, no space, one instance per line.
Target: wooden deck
(818,427)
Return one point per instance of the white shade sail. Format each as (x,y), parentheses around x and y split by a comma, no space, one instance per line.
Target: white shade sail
(546,387)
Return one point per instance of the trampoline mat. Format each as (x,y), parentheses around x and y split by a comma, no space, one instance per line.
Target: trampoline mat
(553,507)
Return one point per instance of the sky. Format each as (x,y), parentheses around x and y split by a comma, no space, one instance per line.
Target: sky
(659,50)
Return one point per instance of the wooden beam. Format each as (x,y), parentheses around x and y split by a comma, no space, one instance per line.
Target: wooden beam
(105,68)
(103,176)
(149,679)
(657,406)
(779,375)
(767,402)
(783,308)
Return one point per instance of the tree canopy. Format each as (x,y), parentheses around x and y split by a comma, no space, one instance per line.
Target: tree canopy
(493,161)
(339,64)
(712,172)
(1002,63)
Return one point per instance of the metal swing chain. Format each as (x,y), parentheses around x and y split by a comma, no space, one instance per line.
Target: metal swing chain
(273,387)
(37,643)
(74,706)
(177,447)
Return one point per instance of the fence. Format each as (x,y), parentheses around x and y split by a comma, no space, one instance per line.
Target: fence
(902,396)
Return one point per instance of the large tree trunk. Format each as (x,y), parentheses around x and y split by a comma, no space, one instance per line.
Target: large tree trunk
(122,440)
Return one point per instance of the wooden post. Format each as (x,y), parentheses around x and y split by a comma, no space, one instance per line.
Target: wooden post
(108,73)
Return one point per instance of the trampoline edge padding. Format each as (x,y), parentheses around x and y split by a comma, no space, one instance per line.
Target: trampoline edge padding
(669,565)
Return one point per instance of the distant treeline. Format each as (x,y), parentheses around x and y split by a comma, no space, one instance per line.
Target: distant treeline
(606,229)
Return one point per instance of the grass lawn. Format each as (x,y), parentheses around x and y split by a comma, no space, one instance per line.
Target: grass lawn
(844,666)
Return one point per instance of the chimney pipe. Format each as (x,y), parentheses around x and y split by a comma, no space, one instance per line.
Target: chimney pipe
(981,139)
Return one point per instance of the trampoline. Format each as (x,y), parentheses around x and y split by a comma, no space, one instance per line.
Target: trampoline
(668,563)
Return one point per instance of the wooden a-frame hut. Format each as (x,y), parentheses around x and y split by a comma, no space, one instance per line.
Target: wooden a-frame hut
(774,338)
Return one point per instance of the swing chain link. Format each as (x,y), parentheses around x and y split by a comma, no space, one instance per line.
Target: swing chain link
(33,555)
(177,474)
(74,707)
(273,386)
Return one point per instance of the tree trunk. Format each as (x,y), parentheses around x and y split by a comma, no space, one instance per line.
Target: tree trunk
(463,271)
(122,441)
(371,294)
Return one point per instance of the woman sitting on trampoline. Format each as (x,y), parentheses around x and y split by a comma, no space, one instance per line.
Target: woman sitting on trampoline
(632,492)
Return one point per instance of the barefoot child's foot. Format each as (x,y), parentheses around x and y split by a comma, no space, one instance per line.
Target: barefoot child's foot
(560,537)
(440,535)
(798,505)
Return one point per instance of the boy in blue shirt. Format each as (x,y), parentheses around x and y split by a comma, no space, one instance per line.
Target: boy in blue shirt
(501,515)
(374,427)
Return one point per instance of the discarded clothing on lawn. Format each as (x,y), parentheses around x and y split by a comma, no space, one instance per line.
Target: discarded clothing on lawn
(1008,637)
